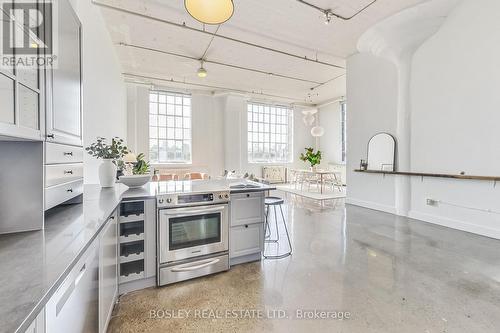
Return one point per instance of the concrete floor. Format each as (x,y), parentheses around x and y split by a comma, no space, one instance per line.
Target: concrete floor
(390,274)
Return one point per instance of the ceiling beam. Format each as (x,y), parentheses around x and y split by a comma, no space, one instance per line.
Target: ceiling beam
(208,61)
(232,39)
(171,80)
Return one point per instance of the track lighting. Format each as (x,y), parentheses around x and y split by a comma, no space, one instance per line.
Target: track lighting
(328,17)
(202,72)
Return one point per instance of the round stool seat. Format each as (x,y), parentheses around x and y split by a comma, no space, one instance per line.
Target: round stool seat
(272,201)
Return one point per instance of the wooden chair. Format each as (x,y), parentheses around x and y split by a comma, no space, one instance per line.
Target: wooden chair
(165,177)
(195,176)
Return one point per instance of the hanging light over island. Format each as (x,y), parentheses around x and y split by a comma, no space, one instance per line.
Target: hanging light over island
(210,11)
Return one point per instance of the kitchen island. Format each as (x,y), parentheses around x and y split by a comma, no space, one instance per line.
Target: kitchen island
(35,264)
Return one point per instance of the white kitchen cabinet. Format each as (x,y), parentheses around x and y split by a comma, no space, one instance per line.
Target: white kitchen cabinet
(108,271)
(38,325)
(22,115)
(74,306)
(247,208)
(64,93)
(246,239)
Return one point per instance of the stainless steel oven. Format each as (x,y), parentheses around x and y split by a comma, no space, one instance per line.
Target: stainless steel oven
(193,235)
(193,231)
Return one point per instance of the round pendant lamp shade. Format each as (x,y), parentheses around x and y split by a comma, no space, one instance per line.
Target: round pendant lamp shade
(317,131)
(210,11)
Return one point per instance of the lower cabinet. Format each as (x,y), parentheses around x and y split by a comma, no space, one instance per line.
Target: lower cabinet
(74,305)
(108,271)
(246,239)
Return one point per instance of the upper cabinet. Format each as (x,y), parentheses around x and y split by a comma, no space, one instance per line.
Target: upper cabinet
(21,86)
(64,83)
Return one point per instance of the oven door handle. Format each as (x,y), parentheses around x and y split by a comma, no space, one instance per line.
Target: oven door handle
(196,267)
(190,211)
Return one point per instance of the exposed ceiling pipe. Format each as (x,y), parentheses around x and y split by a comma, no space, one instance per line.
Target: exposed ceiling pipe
(223,64)
(329,13)
(184,26)
(209,86)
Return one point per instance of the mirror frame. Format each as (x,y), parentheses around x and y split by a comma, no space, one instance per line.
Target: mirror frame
(395,149)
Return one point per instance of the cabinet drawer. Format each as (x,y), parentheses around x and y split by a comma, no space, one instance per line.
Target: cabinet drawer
(57,154)
(247,208)
(246,239)
(60,193)
(62,173)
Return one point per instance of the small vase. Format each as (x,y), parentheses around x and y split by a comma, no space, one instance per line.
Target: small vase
(107,173)
(313,169)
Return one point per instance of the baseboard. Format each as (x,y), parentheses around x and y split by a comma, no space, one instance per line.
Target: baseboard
(128,287)
(455,224)
(371,205)
(245,259)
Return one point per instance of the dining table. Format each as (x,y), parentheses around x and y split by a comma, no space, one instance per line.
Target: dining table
(321,174)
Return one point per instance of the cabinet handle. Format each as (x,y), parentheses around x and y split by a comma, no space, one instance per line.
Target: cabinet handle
(68,172)
(50,136)
(70,190)
(68,153)
(248,195)
(112,217)
(246,225)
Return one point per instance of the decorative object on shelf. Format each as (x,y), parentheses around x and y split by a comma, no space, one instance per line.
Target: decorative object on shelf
(311,157)
(210,12)
(317,131)
(110,154)
(137,171)
(381,152)
(363,165)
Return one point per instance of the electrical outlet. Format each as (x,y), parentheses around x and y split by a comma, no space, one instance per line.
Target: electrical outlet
(432,202)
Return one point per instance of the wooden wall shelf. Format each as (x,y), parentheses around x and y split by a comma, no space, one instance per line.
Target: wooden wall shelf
(434,175)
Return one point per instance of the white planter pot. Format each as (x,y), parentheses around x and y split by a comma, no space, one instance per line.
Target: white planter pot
(107,173)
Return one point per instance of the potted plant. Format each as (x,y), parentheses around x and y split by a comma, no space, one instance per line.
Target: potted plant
(110,155)
(136,171)
(311,157)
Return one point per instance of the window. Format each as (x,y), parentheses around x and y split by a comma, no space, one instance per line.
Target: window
(270,133)
(343,121)
(169,127)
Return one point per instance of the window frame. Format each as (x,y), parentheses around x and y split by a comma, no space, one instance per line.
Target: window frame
(186,127)
(271,110)
(343,125)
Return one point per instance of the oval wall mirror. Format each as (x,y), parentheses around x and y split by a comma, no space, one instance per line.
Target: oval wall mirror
(381,152)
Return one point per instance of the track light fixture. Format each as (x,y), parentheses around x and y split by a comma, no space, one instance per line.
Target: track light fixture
(328,17)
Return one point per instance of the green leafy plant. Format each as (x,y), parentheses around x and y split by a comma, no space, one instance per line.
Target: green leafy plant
(141,167)
(311,157)
(114,151)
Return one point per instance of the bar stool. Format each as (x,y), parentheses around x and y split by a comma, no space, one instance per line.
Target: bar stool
(273,202)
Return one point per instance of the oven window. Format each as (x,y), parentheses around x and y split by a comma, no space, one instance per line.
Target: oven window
(189,231)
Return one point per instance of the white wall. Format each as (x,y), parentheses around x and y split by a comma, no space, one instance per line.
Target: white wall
(207,129)
(454,124)
(372,106)
(455,103)
(104,95)
(236,127)
(219,132)
(330,144)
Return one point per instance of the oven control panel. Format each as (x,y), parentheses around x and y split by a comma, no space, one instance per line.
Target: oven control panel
(192,199)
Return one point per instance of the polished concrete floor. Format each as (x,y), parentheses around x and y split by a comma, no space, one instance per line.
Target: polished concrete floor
(380,272)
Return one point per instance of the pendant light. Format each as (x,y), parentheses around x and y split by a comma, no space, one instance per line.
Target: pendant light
(317,131)
(202,72)
(210,11)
